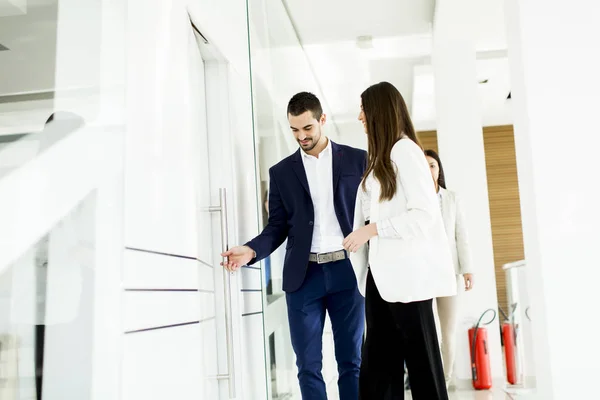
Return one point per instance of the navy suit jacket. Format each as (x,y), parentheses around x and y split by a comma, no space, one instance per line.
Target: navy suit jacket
(291,212)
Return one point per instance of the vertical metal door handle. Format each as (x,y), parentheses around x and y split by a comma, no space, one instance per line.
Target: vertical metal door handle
(222,209)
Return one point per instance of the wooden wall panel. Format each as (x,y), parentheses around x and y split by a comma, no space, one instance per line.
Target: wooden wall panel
(505,203)
(503,192)
(428,140)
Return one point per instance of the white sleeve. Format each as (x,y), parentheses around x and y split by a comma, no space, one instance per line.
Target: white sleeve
(462,239)
(418,186)
(359,211)
(364,202)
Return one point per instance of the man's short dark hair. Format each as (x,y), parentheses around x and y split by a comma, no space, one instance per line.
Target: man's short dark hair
(303,102)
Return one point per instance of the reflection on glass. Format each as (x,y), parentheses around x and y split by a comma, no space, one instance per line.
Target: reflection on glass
(63,69)
(280,69)
(51,53)
(24,147)
(46,313)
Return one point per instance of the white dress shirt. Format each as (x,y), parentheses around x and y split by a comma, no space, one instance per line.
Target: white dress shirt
(327,234)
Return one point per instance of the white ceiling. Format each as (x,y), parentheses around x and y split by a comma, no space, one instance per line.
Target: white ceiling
(401,52)
(341,20)
(31,40)
(494,106)
(401,31)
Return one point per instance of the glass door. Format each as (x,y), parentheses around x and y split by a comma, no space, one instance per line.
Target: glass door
(267,43)
(280,69)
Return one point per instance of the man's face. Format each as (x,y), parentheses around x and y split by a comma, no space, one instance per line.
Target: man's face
(306,129)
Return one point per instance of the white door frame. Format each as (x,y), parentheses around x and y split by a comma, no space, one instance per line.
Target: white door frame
(227,286)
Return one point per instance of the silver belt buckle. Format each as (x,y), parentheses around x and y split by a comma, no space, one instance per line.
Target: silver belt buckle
(321,258)
(324,258)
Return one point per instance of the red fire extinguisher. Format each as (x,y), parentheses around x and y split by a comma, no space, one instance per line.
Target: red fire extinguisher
(481,369)
(510,332)
(509,336)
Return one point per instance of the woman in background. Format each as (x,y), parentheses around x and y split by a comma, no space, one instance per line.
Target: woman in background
(407,263)
(454,222)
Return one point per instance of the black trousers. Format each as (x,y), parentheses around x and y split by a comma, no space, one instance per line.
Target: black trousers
(399,332)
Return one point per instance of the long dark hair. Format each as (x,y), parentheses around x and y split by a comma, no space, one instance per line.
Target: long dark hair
(387,119)
(441,178)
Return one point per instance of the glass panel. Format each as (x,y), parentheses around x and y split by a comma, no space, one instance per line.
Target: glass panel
(62,71)
(280,69)
(58,56)
(47,313)
(454,80)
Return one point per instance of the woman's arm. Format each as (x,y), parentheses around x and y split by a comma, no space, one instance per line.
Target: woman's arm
(462,239)
(422,205)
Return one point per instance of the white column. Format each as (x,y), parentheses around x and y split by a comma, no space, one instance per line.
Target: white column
(460,141)
(555,59)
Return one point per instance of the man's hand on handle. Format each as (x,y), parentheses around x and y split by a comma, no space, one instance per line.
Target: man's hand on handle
(237,257)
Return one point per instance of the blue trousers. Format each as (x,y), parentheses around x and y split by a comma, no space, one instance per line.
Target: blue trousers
(328,288)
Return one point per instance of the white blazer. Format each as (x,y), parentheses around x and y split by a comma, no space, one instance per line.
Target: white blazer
(410,259)
(456,231)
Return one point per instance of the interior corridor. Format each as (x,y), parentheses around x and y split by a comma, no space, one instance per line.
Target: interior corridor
(137,139)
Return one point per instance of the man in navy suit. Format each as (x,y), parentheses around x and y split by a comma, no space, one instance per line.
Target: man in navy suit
(311,203)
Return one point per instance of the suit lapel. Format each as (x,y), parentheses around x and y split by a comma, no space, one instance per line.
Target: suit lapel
(298,167)
(338,156)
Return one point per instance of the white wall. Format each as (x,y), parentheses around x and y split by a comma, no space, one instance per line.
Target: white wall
(460,140)
(160,206)
(494,108)
(556,136)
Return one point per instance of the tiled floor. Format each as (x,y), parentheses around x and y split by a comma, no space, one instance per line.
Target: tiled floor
(464,392)
(497,394)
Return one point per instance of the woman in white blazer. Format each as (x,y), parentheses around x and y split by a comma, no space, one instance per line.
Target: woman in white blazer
(454,222)
(407,262)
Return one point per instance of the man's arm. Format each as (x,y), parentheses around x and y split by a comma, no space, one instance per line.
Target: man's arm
(270,238)
(276,230)
(365,158)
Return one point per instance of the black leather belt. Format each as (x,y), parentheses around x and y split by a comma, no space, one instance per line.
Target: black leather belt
(324,258)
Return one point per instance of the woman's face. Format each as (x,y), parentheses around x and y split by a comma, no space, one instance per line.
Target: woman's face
(434,168)
(362,118)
